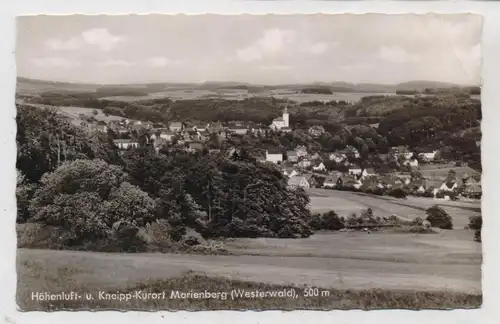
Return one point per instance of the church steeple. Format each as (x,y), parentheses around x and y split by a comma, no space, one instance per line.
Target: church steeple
(286,116)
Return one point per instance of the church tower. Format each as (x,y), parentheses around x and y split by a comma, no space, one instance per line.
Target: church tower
(286,117)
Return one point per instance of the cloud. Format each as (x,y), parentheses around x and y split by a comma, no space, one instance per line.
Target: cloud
(162,62)
(318,48)
(395,54)
(273,41)
(118,63)
(98,37)
(102,38)
(55,62)
(71,44)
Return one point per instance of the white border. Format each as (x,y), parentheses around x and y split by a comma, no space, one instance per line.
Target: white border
(491,79)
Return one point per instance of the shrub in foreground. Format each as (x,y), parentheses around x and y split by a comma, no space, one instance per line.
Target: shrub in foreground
(438,217)
(329,221)
(476,224)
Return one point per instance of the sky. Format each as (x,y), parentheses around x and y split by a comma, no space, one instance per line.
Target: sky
(260,49)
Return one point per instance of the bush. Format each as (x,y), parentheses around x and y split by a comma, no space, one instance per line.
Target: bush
(331,221)
(439,218)
(477,236)
(157,234)
(476,223)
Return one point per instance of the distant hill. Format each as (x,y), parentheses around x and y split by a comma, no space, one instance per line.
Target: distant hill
(420,86)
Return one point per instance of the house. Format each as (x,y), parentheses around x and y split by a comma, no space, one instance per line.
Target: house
(281,122)
(301,151)
(168,136)
(315,181)
(304,163)
(124,144)
(421,189)
(448,186)
(298,182)
(176,127)
(351,150)
(427,156)
(333,181)
(319,167)
(355,170)
(100,127)
(412,163)
(196,146)
(238,129)
(330,182)
(358,184)
(291,156)
(368,172)
(201,127)
(316,131)
(473,190)
(290,172)
(274,156)
(337,157)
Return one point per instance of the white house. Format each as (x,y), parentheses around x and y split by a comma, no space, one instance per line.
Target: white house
(355,170)
(412,163)
(239,129)
(176,127)
(428,156)
(421,189)
(316,130)
(330,182)
(298,182)
(445,187)
(281,122)
(290,172)
(167,136)
(337,157)
(124,144)
(367,172)
(274,156)
(358,184)
(319,167)
(301,151)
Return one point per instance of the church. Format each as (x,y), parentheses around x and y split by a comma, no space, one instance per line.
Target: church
(281,122)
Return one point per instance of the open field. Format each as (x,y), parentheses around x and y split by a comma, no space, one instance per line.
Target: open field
(346,261)
(345,203)
(441,171)
(447,262)
(74,112)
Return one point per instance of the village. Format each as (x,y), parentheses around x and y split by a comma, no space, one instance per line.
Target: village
(422,174)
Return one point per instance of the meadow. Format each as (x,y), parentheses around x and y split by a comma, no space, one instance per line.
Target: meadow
(437,270)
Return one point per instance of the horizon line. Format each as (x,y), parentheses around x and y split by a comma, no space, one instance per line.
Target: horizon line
(244,83)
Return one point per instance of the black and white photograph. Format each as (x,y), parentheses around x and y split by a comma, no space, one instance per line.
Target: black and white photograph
(248,162)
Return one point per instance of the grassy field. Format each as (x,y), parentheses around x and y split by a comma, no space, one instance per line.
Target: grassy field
(376,270)
(160,295)
(74,113)
(345,203)
(441,171)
